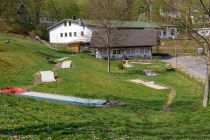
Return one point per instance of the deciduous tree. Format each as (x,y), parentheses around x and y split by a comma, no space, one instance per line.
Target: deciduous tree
(107,15)
(196,9)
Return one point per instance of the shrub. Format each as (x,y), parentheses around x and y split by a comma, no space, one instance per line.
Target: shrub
(32,34)
(120,66)
(3,48)
(41,31)
(4,27)
(18,28)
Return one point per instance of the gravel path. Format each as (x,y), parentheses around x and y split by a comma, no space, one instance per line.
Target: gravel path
(195,66)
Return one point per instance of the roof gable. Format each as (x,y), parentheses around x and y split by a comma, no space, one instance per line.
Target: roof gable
(79,22)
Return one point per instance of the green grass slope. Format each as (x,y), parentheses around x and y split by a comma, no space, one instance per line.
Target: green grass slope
(139,117)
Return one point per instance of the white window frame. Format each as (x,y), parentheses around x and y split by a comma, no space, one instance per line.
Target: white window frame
(82,33)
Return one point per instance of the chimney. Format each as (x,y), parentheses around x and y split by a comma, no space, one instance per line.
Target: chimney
(74,17)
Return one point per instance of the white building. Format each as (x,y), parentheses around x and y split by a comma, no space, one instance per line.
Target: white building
(203,31)
(69,31)
(167,31)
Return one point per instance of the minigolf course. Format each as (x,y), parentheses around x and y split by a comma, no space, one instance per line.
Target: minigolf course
(150,84)
(62,98)
(54,97)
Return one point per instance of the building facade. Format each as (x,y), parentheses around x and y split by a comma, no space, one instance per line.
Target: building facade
(121,52)
(69,31)
(203,31)
(167,31)
(135,43)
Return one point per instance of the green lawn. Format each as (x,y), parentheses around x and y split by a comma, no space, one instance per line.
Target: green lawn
(139,117)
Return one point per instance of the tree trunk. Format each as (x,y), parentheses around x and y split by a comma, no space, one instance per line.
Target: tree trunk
(109,67)
(150,10)
(207,86)
(38,10)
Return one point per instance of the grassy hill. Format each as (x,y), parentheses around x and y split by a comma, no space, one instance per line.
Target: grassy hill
(139,117)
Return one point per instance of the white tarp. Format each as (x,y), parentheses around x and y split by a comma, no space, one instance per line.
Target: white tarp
(150,73)
(63,65)
(66,64)
(62,98)
(140,63)
(150,84)
(128,65)
(47,76)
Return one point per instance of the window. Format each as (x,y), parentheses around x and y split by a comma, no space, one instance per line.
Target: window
(114,51)
(132,51)
(137,51)
(202,32)
(82,33)
(65,34)
(128,52)
(159,33)
(172,31)
(104,52)
(61,34)
(64,23)
(147,51)
(70,34)
(164,33)
(69,23)
(141,51)
(75,33)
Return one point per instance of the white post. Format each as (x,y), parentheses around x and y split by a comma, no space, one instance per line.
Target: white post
(175,50)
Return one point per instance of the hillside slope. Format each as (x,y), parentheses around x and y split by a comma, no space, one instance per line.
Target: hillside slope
(140,115)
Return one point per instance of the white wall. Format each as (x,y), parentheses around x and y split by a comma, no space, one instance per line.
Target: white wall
(129,52)
(204,32)
(167,32)
(55,33)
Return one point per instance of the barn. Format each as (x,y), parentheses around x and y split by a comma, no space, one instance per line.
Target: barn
(126,43)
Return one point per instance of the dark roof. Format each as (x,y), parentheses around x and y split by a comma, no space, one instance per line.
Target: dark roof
(202,29)
(117,24)
(125,24)
(64,20)
(126,38)
(162,25)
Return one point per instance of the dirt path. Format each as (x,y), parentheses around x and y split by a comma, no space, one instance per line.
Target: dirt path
(170,100)
(151,84)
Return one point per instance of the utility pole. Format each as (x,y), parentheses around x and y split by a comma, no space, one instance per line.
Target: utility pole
(150,4)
